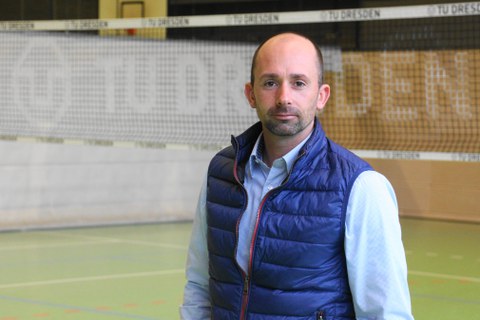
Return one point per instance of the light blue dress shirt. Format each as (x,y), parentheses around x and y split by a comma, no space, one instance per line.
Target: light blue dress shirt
(375,255)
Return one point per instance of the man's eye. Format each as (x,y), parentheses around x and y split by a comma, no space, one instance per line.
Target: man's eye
(300,84)
(269,83)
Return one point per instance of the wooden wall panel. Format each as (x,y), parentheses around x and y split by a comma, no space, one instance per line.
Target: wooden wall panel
(434,189)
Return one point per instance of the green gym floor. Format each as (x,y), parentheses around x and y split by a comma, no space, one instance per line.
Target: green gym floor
(136,272)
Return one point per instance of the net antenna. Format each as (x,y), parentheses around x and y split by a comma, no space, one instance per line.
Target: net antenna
(127,9)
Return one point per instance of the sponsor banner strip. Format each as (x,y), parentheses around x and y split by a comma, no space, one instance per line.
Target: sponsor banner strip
(266,18)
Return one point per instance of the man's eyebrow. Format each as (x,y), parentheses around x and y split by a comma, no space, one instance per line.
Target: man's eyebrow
(298,76)
(268,75)
(291,76)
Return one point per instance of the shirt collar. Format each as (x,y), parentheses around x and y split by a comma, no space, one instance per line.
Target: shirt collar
(288,159)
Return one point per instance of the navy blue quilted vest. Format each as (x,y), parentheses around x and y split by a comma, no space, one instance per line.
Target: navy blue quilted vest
(298,269)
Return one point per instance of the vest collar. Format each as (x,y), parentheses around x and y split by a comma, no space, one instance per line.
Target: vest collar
(245,142)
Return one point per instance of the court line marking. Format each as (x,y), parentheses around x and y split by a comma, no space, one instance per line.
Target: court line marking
(443,276)
(178,271)
(93,278)
(55,245)
(71,307)
(447,299)
(117,240)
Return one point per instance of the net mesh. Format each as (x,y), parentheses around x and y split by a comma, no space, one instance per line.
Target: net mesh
(402,78)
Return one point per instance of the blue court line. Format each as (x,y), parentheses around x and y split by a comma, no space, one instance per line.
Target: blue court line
(83,309)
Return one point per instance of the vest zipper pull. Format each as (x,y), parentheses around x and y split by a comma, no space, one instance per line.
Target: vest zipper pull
(243,311)
(245,285)
(320,315)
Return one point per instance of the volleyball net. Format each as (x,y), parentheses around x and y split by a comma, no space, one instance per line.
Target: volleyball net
(405,80)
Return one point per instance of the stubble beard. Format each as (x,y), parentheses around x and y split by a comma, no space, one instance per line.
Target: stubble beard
(285,128)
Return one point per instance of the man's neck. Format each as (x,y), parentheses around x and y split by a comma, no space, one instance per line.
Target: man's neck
(278,146)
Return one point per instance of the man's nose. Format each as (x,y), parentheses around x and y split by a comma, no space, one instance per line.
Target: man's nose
(284,94)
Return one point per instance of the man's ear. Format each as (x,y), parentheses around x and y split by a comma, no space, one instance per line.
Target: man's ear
(250,95)
(323,95)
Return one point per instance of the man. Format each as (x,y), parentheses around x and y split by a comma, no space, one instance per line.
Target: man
(290,225)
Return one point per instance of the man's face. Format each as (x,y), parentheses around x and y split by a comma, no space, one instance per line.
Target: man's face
(286,92)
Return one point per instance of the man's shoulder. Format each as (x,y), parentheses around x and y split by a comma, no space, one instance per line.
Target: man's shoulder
(222,159)
(341,153)
(226,152)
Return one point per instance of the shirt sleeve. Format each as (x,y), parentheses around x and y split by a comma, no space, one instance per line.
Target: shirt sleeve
(376,262)
(196,299)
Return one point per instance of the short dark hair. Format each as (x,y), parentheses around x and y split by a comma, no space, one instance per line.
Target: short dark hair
(317,49)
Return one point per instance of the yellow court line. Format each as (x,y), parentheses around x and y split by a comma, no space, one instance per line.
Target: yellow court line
(96,278)
(443,276)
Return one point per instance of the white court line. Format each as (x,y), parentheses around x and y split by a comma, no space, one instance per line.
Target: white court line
(117,240)
(178,271)
(86,279)
(443,276)
(53,245)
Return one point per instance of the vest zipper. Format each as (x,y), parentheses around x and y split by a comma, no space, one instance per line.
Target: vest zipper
(246,277)
(245,294)
(246,286)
